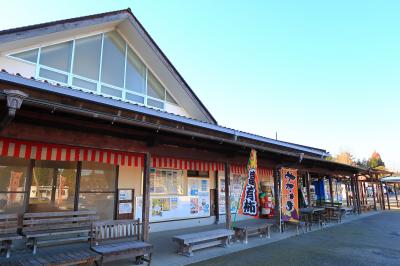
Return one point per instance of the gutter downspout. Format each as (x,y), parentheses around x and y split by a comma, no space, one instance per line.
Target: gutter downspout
(14,100)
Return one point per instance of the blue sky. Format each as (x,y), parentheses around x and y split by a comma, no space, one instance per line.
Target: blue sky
(318,73)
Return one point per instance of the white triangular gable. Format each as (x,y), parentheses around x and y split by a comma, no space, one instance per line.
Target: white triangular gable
(116,60)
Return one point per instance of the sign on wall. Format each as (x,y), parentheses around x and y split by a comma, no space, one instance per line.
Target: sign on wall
(290,197)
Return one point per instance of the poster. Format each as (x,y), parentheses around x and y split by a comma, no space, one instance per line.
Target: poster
(235,189)
(249,200)
(125,194)
(164,208)
(125,208)
(290,197)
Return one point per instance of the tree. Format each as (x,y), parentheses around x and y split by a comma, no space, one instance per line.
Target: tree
(362,163)
(344,157)
(376,161)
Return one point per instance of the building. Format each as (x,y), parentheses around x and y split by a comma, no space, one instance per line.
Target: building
(95,116)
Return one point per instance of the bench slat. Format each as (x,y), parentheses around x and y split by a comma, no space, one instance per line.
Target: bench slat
(58,214)
(203,236)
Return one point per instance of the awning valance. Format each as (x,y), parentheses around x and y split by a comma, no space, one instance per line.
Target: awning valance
(58,152)
(242,170)
(185,164)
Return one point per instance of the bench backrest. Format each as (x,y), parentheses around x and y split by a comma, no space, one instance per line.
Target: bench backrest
(9,223)
(48,221)
(109,231)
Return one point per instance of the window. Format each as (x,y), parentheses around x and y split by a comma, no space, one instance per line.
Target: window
(57,56)
(13,175)
(87,57)
(113,64)
(135,73)
(97,188)
(168,182)
(53,186)
(102,63)
(30,56)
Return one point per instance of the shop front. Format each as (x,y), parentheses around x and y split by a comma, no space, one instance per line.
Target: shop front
(43,177)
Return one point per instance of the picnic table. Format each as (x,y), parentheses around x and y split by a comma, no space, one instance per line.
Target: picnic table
(310,213)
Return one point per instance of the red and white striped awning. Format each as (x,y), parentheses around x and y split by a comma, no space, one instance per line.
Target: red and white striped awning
(57,152)
(242,170)
(184,164)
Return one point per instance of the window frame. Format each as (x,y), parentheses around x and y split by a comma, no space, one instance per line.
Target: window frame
(70,75)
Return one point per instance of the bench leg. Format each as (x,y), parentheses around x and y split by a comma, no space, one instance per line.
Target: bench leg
(34,247)
(225,242)
(187,251)
(7,247)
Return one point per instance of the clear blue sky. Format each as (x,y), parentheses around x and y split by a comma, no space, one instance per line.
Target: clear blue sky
(320,74)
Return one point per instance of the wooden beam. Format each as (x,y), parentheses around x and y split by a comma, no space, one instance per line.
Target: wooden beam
(228,216)
(395,193)
(146,198)
(216,197)
(346,185)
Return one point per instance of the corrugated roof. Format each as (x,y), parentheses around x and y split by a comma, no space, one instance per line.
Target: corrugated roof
(110,101)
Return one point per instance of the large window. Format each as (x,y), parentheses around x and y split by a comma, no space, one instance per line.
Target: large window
(13,175)
(104,64)
(53,186)
(166,182)
(98,188)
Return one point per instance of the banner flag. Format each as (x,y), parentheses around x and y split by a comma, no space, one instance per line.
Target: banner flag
(290,195)
(249,200)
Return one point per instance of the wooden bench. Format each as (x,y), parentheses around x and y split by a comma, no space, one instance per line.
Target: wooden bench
(9,225)
(120,239)
(243,231)
(82,256)
(190,242)
(49,228)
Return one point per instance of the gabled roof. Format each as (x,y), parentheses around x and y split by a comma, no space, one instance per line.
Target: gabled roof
(108,17)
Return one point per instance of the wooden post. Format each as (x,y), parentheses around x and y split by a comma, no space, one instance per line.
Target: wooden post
(277,195)
(395,193)
(228,215)
(353,193)
(308,188)
(387,196)
(366,192)
(216,197)
(357,194)
(382,197)
(330,189)
(146,198)
(373,195)
(346,185)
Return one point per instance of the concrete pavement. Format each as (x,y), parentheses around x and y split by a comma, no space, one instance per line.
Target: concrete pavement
(372,240)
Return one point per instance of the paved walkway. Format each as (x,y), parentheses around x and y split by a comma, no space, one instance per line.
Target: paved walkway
(165,250)
(373,240)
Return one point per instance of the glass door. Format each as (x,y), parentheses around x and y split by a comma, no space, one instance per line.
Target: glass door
(53,186)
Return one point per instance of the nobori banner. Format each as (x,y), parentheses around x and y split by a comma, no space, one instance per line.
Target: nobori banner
(249,200)
(290,202)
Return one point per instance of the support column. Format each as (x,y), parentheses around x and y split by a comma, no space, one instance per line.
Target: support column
(216,197)
(366,192)
(146,198)
(373,195)
(353,191)
(277,194)
(331,189)
(308,188)
(357,194)
(228,216)
(387,196)
(395,193)
(346,185)
(382,197)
